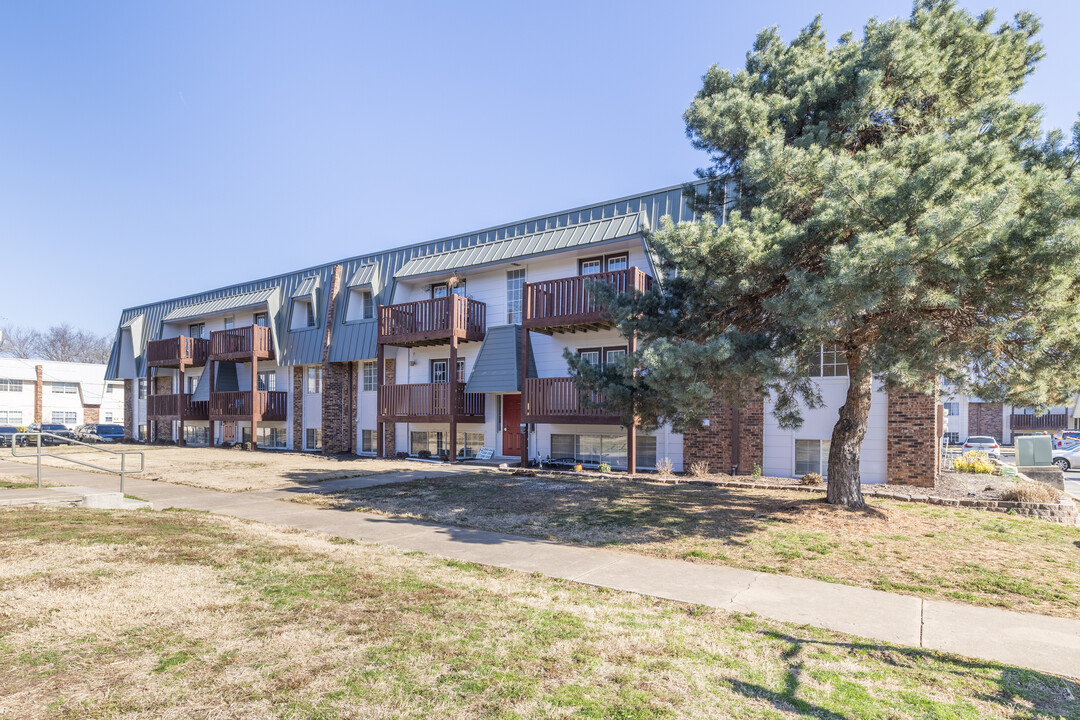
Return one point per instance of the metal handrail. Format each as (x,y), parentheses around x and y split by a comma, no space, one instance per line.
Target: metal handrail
(122,472)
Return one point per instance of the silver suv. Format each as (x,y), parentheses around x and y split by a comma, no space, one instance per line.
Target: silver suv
(985,443)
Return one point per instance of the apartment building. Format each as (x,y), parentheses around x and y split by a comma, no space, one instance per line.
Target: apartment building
(57,392)
(968,415)
(455,348)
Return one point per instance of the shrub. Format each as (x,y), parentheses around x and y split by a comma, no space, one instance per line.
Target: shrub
(1031,492)
(603,467)
(811,478)
(425,454)
(225,445)
(402,456)
(757,472)
(665,468)
(246,446)
(699,468)
(975,461)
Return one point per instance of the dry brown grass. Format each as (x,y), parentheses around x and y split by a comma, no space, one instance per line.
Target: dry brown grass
(233,470)
(109,615)
(699,469)
(1031,492)
(925,550)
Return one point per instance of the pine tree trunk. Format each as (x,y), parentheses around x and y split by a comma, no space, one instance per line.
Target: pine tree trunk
(845,486)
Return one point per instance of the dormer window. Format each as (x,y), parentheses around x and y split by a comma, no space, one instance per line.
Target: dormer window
(361,304)
(303,314)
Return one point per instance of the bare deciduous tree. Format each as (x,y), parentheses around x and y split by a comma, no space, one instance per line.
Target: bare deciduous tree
(60,342)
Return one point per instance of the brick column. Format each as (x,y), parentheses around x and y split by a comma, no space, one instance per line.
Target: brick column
(298,408)
(914,439)
(714,445)
(985,419)
(131,397)
(163,430)
(39,390)
(390,378)
(91,414)
(336,406)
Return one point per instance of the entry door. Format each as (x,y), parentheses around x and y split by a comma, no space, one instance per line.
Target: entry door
(511,429)
(228,432)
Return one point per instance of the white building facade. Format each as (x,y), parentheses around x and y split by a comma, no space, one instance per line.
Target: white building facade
(71,394)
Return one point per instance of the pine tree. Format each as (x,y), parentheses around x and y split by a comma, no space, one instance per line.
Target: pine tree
(889,196)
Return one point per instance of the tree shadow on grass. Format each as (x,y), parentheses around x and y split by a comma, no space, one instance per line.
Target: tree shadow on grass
(1031,693)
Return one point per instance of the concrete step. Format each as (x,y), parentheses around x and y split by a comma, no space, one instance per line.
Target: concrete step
(77,496)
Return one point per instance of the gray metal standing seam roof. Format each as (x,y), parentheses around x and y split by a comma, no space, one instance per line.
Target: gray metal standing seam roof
(528,245)
(353,341)
(498,364)
(221,304)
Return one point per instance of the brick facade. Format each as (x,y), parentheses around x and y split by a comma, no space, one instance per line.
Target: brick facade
(985,419)
(131,400)
(39,390)
(163,429)
(91,414)
(298,408)
(338,400)
(713,444)
(390,434)
(914,439)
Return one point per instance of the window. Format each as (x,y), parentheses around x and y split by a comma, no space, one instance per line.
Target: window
(272,438)
(952,438)
(314,380)
(590,356)
(142,432)
(229,322)
(262,320)
(11,417)
(515,283)
(195,435)
(611,449)
(110,388)
(812,456)
(609,354)
(266,380)
(370,376)
(591,267)
(433,442)
(7,385)
(461,371)
(438,290)
(828,361)
(439,372)
(617,262)
(613,355)
(192,383)
(368,441)
(468,443)
(62,388)
(361,305)
(109,417)
(142,388)
(952,409)
(608,263)
(195,330)
(313,439)
(303,314)
(65,418)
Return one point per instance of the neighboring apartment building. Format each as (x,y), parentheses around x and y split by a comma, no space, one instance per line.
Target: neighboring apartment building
(454,345)
(57,392)
(968,415)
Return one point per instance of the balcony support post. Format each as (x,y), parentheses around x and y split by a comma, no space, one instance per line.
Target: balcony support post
(210,405)
(379,372)
(180,438)
(524,427)
(254,396)
(452,410)
(631,431)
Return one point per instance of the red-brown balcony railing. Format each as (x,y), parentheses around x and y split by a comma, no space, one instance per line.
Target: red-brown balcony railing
(419,402)
(553,305)
(177,407)
(240,405)
(432,322)
(559,400)
(1049,421)
(171,352)
(241,343)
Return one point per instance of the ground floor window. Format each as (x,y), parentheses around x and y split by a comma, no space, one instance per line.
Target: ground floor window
(195,435)
(313,439)
(11,417)
(595,449)
(368,441)
(952,438)
(66,418)
(437,443)
(812,456)
(109,417)
(142,432)
(270,437)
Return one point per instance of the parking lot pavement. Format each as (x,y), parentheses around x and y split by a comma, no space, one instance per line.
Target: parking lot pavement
(1072,483)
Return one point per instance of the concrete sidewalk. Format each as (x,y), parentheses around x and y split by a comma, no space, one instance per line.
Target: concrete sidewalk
(1037,642)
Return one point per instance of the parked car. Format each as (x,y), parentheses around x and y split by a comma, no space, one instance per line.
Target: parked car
(100,433)
(1066,438)
(52,429)
(983,443)
(1067,458)
(7,435)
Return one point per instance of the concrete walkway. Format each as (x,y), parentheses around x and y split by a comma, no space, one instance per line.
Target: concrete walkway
(1037,642)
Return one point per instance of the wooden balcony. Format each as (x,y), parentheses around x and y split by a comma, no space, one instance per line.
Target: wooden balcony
(239,405)
(241,344)
(568,305)
(177,351)
(432,322)
(176,407)
(1049,421)
(558,400)
(428,402)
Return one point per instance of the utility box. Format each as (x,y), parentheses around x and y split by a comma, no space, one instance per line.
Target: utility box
(1033,450)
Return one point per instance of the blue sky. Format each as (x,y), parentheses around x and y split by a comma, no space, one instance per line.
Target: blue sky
(156,149)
